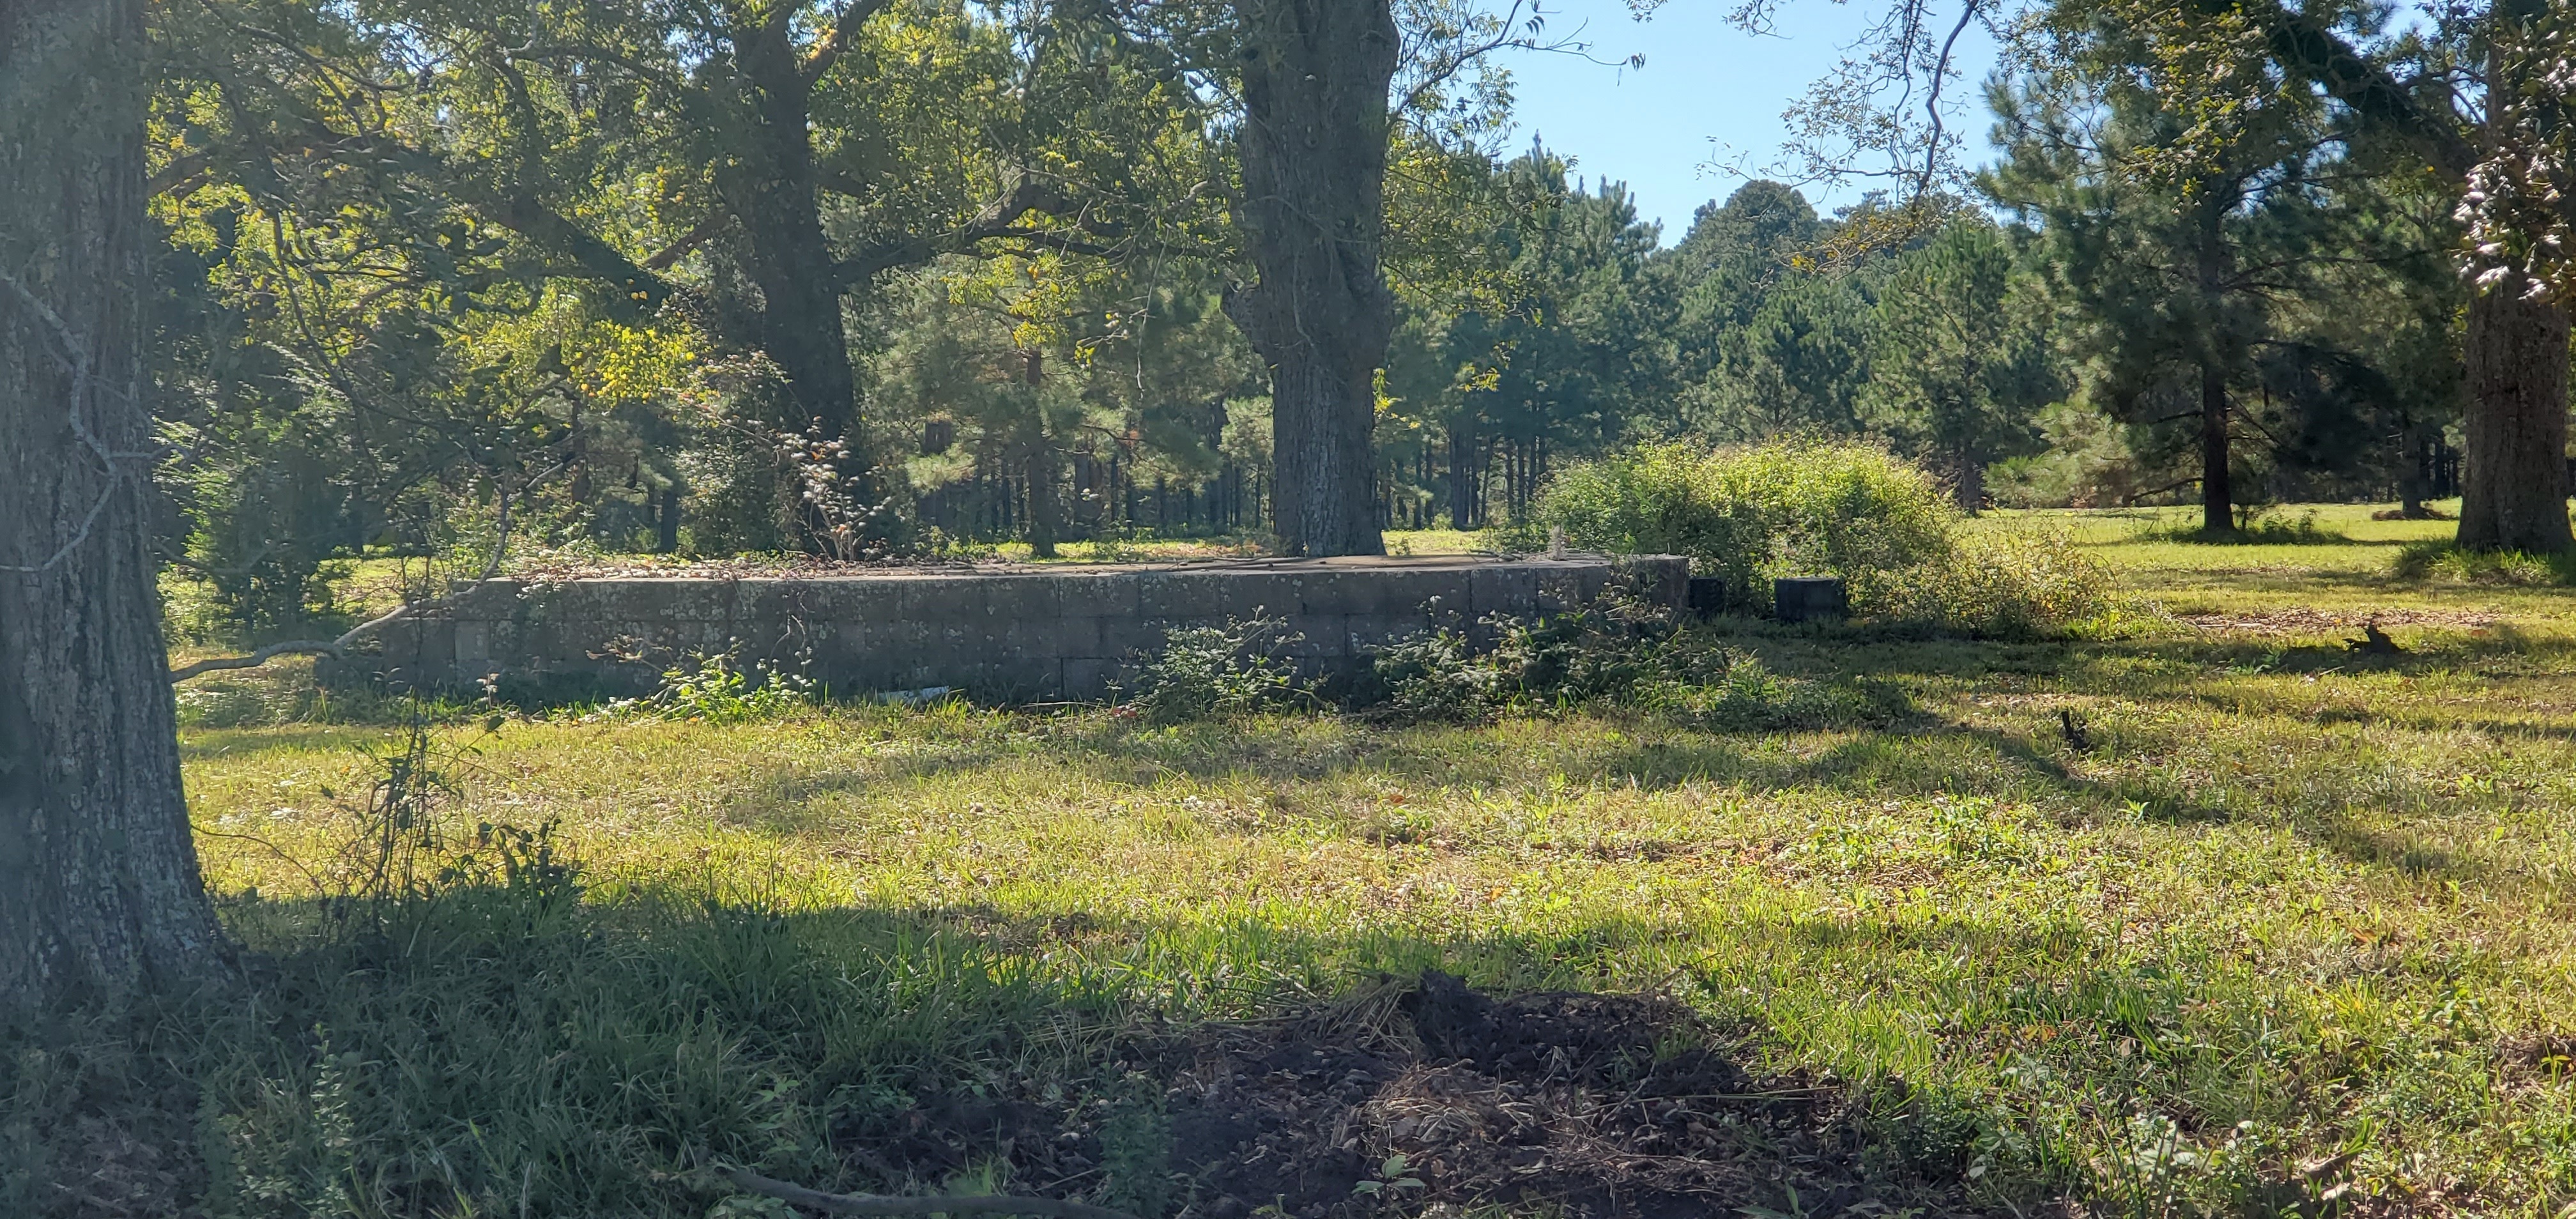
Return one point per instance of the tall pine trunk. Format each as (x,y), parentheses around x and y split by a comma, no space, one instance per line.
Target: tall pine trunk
(2514,489)
(2217,486)
(99,890)
(1313,147)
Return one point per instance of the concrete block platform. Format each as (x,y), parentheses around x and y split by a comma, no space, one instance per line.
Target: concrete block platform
(997,632)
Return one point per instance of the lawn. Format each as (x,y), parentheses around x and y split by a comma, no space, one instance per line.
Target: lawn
(2209,916)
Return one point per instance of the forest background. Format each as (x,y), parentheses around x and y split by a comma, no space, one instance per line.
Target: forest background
(437,279)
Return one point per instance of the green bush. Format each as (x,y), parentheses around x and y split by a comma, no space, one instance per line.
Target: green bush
(1204,671)
(2010,585)
(1753,514)
(1804,508)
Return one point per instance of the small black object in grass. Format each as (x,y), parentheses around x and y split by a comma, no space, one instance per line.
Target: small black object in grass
(1809,598)
(2373,641)
(2071,726)
(1707,595)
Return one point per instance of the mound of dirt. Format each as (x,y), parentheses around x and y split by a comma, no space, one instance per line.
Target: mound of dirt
(1582,1104)
(1429,1099)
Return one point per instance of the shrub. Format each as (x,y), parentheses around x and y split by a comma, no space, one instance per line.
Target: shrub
(1605,651)
(1238,667)
(2012,584)
(1804,508)
(1752,514)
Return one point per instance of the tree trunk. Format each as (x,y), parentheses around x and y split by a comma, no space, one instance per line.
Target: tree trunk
(1313,148)
(770,186)
(1972,482)
(666,522)
(1463,488)
(1046,507)
(2514,492)
(99,889)
(2217,490)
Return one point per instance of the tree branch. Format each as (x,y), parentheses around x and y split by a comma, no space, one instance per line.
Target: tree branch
(2309,48)
(845,30)
(298,647)
(936,1204)
(691,240)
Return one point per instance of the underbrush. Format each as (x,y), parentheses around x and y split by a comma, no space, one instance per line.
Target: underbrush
(2254,527)
(1754,514)
(1617,653)
(2444,562)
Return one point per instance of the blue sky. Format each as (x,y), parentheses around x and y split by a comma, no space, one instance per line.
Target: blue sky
(1707,93)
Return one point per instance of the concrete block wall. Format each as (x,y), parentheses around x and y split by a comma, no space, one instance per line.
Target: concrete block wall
(1010,633)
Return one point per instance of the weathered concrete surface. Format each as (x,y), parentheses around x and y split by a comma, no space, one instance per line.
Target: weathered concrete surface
(1005,633)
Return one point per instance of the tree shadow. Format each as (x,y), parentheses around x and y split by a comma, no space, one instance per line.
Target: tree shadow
(512,1047)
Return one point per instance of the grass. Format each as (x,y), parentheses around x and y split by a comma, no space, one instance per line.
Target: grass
(2296,920)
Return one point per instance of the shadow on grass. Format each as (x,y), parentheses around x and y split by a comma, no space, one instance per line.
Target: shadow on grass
(520,1050)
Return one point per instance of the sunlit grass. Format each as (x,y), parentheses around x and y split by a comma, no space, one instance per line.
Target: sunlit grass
(2294,901)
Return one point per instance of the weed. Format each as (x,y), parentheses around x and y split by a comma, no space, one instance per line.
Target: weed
(1238,667)
(717,691)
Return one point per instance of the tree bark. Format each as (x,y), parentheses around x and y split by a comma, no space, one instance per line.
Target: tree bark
(2217,487)
(100,895)
(1313,148)
(2514,491)
(771,187)
(2414,470)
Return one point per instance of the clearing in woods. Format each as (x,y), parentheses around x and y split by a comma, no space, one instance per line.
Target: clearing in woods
(2213,912)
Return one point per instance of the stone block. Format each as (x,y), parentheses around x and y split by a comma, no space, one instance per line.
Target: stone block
(670,600)
(983,599)
(1500,590)
(473,642)
(491,599)
(1122,638)
(1384,590)
(1364,632)
(1184,596)
(1706,596)
(1809,599)
(1089,678)
(1562,588)
(1106,594)
(1663,580)
(1317,637)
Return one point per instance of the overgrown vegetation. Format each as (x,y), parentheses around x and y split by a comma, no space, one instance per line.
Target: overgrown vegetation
(1616,653)
(1233,668)
(1753,514)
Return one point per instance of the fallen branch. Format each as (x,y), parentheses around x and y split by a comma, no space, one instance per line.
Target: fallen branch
(315,647)
(293,647)
(934,1204)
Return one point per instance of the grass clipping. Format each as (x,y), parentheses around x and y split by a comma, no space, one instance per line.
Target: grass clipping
(1753,514)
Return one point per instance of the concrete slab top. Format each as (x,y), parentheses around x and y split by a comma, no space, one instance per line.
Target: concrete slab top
(1006,570)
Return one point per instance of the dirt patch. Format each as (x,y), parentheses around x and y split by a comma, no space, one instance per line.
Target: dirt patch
(2303,621)
(1430,1098)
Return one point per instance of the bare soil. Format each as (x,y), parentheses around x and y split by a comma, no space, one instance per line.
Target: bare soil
(1431,1098)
